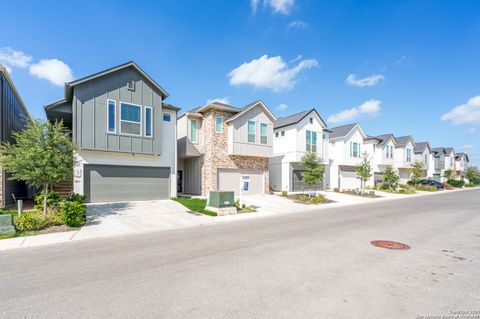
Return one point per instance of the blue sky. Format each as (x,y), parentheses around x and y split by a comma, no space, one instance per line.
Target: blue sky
(402,67)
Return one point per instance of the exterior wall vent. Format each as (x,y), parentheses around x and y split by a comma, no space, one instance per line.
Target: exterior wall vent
(131,85)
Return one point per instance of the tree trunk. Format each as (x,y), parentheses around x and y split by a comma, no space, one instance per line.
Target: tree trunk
(45,196)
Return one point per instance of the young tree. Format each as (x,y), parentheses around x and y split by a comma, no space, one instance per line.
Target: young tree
(364,170)
(390,177)
(313,169)
(473,175)
(417,172)
(41,156)
(448,174)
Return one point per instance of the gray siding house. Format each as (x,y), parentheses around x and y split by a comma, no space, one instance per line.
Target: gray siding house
(125,133)
(13,117)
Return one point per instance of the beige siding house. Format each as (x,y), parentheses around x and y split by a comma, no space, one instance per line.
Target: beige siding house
(220,145)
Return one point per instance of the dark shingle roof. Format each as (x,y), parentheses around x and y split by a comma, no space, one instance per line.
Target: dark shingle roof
(449,150)
(341,131)
(420,146)
(462,154)
(383,138)
(403,140)
(291,119)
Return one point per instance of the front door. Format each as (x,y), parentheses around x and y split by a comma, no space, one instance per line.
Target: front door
(179,181)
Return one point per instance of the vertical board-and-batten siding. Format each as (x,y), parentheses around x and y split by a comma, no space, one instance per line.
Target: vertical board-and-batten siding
(90,113)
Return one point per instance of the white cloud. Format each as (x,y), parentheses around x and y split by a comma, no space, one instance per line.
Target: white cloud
(269,72)
(9,69)
(468,113)
(53,70)
(472,130)
(278,6)
(224,100)
(401,59)
(368,81)
(297,24)
(368,108)
(14,58)
(467,147)
(281,107)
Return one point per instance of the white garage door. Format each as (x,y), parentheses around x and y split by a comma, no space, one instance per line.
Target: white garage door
(229,180)
(348,180)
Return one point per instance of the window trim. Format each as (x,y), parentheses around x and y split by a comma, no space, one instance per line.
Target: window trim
(358,149)
(254,132)
(282,133)
(141,119)
(151,122)
(190,131)
(221,124)
(266,135)
(169,117)
(114,116)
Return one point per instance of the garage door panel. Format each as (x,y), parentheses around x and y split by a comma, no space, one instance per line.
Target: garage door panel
(348,180)
(109,183)
(298,183)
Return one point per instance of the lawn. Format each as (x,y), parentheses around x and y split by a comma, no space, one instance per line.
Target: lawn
(195,204)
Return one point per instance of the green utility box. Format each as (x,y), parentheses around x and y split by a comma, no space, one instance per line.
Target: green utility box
(6,225)
(221,199)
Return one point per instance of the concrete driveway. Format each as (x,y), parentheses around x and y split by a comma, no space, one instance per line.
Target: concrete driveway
(111,219)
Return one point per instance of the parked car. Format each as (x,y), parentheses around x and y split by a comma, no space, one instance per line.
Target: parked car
(430,182)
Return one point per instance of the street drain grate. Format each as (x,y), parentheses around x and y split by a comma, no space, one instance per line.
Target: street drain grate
(389,244)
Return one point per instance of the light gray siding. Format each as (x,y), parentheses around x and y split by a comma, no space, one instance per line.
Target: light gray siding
(90,113)
(192,176)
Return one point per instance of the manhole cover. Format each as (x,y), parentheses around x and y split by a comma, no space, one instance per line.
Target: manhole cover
(389,244)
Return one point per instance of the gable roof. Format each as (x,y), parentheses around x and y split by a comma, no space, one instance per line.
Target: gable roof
(4,71)
(70,85)
(250,106)
(420,147)
(449,150)
(344,130)
(462,154)
(403,140)
(384,138)
(295,118)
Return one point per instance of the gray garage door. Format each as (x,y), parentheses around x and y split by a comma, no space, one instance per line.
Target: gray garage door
(229,180)
(299,185)
(113,183)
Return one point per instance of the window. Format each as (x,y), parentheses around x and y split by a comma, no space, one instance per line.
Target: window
(282,133)
(324,136)
(130,119)
(374,148)
(111,116)
(311,141)
(311,120)
(166,117)
(263,133)
(425,159)
(149,121)
(193,131)
(409,155)
(277,134)
(251,132)
(389,151)
(218,124)
(354,149)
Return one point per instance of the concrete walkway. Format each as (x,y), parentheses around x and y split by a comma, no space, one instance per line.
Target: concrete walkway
(120,219)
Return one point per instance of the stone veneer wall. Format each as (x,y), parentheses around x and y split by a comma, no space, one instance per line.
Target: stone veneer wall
(216,154)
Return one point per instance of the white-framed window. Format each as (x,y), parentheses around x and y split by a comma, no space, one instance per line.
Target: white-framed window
(282,133)
(218,124)
(251,131)
(148,121)
(193,131)
(277,134)
(167,117)
(354,149)
(111,116)
(311,141)
(425,159)
(389,151)
(263,133)
(130,119)
(409,155)
(311,120)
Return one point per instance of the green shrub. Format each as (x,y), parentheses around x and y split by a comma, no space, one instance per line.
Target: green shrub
(284,193)
(76,198)
(31,221)
(74,213)
(303,198)
(53,200)
(456,183)
(319,199)
(336,190)
(427,188)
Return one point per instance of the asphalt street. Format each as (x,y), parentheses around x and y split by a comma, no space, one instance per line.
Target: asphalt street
(318,264)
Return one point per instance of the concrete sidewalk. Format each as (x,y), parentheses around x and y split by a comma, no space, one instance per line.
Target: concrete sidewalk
(120,219)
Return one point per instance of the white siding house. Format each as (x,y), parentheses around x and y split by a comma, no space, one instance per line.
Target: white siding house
(293,137)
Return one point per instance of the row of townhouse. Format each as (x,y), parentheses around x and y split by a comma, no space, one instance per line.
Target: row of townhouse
(133,146)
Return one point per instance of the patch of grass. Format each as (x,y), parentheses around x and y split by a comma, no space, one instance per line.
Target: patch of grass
(8,211)
(195,204)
